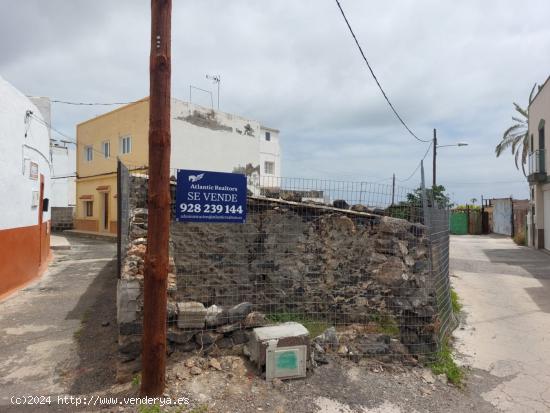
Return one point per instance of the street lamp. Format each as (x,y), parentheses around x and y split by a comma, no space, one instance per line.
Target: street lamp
(435,146)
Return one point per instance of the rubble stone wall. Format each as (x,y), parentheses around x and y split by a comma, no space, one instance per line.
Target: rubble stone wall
(345,267)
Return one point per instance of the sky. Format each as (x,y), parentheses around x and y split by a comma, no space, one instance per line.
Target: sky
(293,65)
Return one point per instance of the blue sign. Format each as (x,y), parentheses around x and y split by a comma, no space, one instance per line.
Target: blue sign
(203,196)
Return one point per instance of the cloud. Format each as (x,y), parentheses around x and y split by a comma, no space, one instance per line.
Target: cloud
(455,66)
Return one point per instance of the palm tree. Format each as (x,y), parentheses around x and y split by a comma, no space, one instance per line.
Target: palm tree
(516,136)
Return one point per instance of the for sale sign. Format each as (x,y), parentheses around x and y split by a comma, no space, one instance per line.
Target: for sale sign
(203,196)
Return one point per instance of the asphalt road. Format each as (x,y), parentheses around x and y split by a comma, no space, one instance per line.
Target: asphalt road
(505,290)
(47,329)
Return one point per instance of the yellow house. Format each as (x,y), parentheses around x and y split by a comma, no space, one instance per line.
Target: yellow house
(120,133)
(202,139)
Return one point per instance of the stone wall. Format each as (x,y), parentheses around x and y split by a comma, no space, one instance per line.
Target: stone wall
(62,218)
(342,267)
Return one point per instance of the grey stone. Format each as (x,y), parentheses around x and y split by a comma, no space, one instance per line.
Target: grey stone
(228,328)
(129,345)
(179,336)
(171,311)
(128,329)
(240,337)
(215,316)
(390,273)
(255,319)
(207,338)
(341,204)
(359,208)
(239,311)
(328,339)
(371,345)
(127,306)
(225,342)
(191,315)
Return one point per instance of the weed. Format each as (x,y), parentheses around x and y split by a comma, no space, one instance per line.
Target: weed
(445,364)
(455,302)
(519,238)
(385,324)
(150,408)
(136,380)
(315,327)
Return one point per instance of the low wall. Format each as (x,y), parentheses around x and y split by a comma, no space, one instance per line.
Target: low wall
(62,218)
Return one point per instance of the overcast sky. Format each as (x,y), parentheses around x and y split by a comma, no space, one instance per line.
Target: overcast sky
(454,66)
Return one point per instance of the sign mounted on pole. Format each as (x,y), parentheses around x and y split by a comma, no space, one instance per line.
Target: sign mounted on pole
(203,196)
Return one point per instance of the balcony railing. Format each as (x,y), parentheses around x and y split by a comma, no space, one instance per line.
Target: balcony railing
(537,167)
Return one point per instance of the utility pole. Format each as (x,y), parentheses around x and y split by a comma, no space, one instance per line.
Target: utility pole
(434,159)
(153,356)
(216,79)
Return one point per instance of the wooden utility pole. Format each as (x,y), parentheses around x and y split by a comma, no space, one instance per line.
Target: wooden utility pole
(153,357)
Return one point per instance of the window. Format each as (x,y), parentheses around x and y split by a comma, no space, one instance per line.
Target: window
(269,168)
(126,144)
(89,153)
(268,136)
(106,145)
(89,208)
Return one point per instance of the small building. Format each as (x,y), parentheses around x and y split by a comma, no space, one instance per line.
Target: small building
(63,178)
(25,166)
(202,139)
(63,201)
(539,164)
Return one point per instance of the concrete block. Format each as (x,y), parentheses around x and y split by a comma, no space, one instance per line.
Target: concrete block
(191,315)
(282,335)
(126,300)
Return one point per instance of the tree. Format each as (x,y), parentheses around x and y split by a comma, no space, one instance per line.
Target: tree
(516,137)
(437,193)
(473,200)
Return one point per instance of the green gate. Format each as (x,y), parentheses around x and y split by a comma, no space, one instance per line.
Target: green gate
(459,222)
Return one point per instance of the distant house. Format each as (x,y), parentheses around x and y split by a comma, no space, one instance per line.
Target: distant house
(202,139)
(63,172)
(539,164)
(25,166)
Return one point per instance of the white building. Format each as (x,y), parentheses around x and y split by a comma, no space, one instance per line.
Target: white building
(63,160)
(208,139)
(25,187)
(539,165)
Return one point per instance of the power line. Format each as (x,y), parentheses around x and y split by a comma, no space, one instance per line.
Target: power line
(376,79)
(73,141)
(418,166)
(66,102)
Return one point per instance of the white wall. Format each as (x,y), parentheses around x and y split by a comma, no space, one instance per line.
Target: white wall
(63,175)
(17,152)
(270,151)
(212,140)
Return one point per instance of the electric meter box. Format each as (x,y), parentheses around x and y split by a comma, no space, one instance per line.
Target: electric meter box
(283,349)
(285,362)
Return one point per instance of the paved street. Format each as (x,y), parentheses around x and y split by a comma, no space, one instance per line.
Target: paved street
(505,290)
(46,329)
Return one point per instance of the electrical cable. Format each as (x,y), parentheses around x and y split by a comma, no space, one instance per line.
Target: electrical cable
(418,166)
(376,79)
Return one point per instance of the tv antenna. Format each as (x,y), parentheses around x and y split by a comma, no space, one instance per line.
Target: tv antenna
(216,79)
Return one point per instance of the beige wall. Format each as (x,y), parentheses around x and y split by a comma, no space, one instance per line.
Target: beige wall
(130,120)
(96,188)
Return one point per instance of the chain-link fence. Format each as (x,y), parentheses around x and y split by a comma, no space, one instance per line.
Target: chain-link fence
(363,266)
